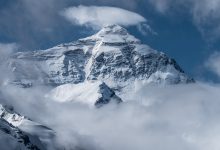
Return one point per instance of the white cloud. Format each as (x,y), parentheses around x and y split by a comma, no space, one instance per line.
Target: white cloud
(205,14)
(146,29)
(213,63)
(6,50)
(98,16)
(161,5)
(177,117)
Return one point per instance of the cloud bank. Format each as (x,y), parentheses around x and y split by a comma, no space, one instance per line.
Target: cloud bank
(163,118)
(99,16)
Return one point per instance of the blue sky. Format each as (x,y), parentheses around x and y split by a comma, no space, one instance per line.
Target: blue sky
(186,30)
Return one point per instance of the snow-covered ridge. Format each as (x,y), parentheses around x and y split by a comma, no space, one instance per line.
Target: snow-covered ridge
(11,117)
(112,56)
(90,93)
(113,34)
(24,132)
(19,138)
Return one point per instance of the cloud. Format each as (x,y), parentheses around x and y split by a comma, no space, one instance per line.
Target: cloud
(146,29)
(38,25)
(6,49)
(161,5)
(27,22)
(213,63)
(205,14)
(98,16)
(178,117)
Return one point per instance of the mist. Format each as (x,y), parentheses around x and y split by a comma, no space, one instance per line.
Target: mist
(170,117)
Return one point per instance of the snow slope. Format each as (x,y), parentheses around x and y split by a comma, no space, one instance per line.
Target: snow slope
(90,93)
(22,132)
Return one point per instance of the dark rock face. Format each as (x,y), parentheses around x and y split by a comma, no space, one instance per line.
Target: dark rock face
(73,66)
(129,64)
(17,134)
(108,95)
(9,121)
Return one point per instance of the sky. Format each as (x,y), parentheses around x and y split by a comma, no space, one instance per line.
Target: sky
(186,30)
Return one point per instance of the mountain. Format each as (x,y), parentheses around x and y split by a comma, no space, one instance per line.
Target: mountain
(13,138)
(97,70)
(113,58)
(22,132)
(112,55)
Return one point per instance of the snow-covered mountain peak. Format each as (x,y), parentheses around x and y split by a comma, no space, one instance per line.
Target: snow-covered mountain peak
(113,29)
(112,56)
(113,34)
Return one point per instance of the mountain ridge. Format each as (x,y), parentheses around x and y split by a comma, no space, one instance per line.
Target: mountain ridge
(112,55)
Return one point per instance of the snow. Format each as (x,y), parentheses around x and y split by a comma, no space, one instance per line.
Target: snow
(108,49)
(159,76)
(22,132)
(144,49)
(12,118)
(113,34)
(87,93)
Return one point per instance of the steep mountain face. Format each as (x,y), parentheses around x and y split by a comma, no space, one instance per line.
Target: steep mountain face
(13,128)
(10,117)
(13,135)
(112,56)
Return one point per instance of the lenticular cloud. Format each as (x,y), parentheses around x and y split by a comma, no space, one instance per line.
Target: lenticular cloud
(98,16)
